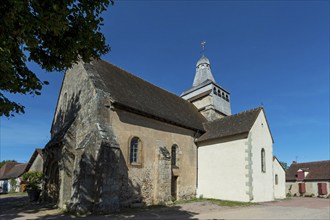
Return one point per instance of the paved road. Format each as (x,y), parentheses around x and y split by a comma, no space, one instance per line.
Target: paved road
(295,208)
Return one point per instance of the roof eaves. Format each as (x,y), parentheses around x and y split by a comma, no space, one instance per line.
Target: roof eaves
(222,137)
(142,113)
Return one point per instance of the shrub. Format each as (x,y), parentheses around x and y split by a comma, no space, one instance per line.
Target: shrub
(13,185)
(309,195)
(33,180)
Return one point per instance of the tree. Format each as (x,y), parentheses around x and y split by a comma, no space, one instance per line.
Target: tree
(54,34)
(284,165)
(5,161)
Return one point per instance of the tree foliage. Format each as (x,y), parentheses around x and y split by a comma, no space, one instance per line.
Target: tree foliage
(13,185)
(53,33)
(33,179)
(284,165)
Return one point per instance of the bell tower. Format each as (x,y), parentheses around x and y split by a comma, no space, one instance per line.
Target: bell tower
(211,99)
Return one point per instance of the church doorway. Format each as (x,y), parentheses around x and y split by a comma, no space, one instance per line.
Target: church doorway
(174,187)
(52,180)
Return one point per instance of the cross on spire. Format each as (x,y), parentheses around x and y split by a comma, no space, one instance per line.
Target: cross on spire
(203,46)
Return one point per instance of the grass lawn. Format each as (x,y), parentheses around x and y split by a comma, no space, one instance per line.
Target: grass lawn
(216,202)
(13,194)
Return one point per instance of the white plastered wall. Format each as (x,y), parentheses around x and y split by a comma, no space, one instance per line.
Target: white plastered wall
(221,171)
(279,188)
(262,182)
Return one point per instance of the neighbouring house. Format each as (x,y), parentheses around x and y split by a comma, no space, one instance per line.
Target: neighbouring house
(11,176)
(279,179)
(3,170)
(36,161)
(119,141)
(308,179)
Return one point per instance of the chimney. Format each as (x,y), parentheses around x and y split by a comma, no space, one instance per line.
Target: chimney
(294,162)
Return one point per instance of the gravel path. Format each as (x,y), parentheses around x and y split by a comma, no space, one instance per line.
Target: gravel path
(295,208)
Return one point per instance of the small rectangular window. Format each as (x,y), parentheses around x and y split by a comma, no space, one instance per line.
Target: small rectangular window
(276,179)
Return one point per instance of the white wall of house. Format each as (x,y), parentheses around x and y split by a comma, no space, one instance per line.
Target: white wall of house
(7,187)
(311,188)
(279,186)
(4,186)
(221,170)
(262,182)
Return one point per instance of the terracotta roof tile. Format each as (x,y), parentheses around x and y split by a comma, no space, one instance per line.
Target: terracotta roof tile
(318,170)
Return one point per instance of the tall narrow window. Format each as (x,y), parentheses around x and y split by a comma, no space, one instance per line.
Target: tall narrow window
(173,155)
(134,150)
(276,179)
(263,160)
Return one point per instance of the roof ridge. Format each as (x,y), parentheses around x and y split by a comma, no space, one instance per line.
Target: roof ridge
(313,162)
(238,114)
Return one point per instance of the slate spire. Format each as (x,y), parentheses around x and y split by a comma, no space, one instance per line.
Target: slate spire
(203,71)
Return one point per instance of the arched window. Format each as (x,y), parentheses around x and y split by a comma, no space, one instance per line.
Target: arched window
(276,179)
(135,151)
(214,90)
(263,160)
(173,155)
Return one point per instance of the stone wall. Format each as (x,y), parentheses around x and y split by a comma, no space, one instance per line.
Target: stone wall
(37,164)
(89,150)
(152,180)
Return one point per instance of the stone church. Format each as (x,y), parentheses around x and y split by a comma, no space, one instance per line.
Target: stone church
(119,141)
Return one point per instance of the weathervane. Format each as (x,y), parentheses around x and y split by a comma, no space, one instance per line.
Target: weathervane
(203,46)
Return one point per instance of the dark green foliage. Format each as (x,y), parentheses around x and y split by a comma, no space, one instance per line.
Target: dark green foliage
(13,184)
(5,161)
(33,179)
(53,33)
(284,165)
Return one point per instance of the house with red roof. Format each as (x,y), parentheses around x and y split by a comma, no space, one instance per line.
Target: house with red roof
(11,171)
(308,179)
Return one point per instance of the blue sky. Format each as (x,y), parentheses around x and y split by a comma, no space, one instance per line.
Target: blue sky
(270,52)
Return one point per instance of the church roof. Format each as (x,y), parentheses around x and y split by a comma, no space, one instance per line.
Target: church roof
(240,123)
(318,170)
(135,94)
(203,60)
(203,71)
